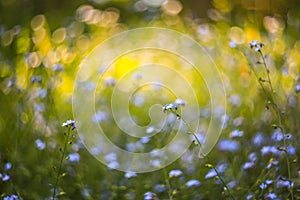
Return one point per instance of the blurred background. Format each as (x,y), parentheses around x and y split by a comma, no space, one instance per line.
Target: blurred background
(44,41)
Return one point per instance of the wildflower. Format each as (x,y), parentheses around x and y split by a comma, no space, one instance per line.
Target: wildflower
(277,135)
(252,156)
(145,140)
(231,184)
(248,165)
(271,196)
(57,67)
(269,182)
(7,166)
(74,157)
(291,150)
(258,139)
(269,150)
(110,81)
(169,107)
(263,186)
(69,123)
(129,175)
(236,133)
(229,145)
(257,45)
(99,116)
(175,173)
(12,197)
(283,183)
(40,144)
(160,188)
(5,177)
(151,129)
(180,102)
(138,101)
(113,165)
(297,88)
(232,44)
(192,183)
(210,174)
(235,100)
(150,196)
(249,196)
(272,162)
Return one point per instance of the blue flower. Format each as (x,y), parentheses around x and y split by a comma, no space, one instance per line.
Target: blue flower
(74,157)
(258,139)
(175,173)
(69,123)
(257,45)
(263,186)
(248,165)
(193,183)
(150,196)
(40,144)
(229,145)
(271,196)
(129,175)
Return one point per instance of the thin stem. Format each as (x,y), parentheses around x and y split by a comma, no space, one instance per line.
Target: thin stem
(278,114)
(267,70)
(206,156)
(61,162)
(168,184)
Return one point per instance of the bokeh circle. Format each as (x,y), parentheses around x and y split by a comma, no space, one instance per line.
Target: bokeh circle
(98,61)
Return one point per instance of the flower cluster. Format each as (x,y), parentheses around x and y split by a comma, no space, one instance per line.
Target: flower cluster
(69,123)
(256,45)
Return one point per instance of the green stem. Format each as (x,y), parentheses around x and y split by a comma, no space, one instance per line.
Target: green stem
(279,118)
(168,184)
(206,156)
(61,162)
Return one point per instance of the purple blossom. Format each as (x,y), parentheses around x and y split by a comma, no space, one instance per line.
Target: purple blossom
(252,156)
(236,133)
(160,188)
(193,183)
(291,150)
(277,135)
(283,183)
(12,197)
(149,196)
(5,177)
(175,173)
(7,166)
(268,150)
(263,186)
(229,145)
(271,196)
(129,175)
(74,157)
(210,174)
(40,144)
(258,139)
(248,165)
